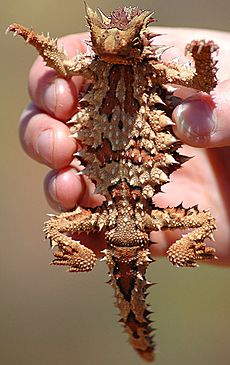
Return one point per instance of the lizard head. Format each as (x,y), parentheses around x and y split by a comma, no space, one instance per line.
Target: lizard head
(120,38)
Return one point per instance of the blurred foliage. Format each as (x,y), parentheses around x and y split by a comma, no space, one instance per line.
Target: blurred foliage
(47,316)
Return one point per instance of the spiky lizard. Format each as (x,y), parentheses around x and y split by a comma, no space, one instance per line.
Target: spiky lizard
(129,150)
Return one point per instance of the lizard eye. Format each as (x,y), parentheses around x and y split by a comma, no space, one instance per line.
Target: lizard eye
(104,35)
(117,37)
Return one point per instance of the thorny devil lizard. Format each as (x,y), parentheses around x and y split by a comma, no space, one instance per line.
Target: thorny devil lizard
(129,150)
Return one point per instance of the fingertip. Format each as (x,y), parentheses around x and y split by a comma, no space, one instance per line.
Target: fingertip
(64,190)
(220,95)
(46,139)
(202,120)
(195,120)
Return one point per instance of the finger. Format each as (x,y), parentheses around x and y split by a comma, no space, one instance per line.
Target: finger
(203,120)
(55,95)
(65,190)
(45,139)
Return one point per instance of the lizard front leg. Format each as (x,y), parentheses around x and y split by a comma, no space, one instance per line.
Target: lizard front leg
(191,247)
(205,66)
(70,252)
(201,77)
(54,56)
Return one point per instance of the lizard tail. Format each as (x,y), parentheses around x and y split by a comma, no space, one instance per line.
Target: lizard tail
(128,280)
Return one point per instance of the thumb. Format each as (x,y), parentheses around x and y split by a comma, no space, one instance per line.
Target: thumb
(203,120)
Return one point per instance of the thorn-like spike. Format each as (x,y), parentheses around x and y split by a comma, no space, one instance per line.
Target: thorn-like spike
(139,276)
(148,312)
(7,30)
(104,18)
(101,225)
(163,177)
(182,159)
(149,259)
(175,60)
(104,251)
(159,50)
(148,284)
(211,236)
(71,121)
(180,206)
(77,154)
(53,244)
(169,160)
(75,135)
(166,122)
(88,43)
(195,207)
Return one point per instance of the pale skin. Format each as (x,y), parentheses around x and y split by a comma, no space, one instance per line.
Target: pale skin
(204,179)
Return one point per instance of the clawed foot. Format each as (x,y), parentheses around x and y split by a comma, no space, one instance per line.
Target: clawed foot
(205,64)
(186,254)
(59,230)
(78,260)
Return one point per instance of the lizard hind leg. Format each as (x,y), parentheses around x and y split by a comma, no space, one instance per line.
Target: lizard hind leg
(191,247)
(70,252)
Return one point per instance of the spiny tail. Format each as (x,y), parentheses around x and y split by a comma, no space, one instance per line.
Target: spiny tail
(130,285)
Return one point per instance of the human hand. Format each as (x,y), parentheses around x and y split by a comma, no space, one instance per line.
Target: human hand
(45,137)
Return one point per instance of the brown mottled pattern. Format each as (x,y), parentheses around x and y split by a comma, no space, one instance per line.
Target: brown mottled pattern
(110,100)
(131,104)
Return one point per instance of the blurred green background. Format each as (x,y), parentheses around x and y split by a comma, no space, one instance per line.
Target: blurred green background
(48,316)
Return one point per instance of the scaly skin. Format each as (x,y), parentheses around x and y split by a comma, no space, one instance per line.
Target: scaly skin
(129,151)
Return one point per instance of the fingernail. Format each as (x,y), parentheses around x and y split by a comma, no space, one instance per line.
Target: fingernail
(44,146)
(52,189)
(50,99)
(195,117)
